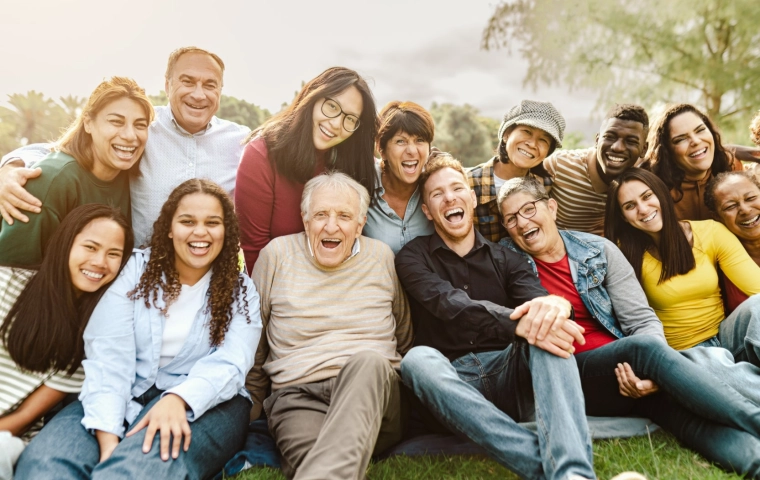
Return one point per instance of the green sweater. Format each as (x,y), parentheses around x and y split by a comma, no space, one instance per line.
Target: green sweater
(62,186)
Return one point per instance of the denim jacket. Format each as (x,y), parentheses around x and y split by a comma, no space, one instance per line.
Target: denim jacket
(606,284)
(123,347)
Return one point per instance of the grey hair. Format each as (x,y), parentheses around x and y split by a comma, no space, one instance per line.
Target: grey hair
(529,185)
(338,183)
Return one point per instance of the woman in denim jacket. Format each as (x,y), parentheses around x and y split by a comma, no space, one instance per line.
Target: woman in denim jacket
(167,351)
(626,366)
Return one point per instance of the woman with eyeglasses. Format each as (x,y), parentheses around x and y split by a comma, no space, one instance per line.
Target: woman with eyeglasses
(330,125)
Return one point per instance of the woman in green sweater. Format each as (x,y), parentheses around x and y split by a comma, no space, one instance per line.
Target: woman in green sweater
(89,164)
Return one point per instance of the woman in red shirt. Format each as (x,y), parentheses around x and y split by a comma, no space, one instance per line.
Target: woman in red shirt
(331,124)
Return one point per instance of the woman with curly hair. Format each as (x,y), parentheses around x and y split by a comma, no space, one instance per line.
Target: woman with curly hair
(43,314)
(167,351)
(685,151)
(330,125)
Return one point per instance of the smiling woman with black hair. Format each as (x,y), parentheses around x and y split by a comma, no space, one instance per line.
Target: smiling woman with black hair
(677,265)
(330,125)
(43,315)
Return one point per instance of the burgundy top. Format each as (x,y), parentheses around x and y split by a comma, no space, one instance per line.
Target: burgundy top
(268,205)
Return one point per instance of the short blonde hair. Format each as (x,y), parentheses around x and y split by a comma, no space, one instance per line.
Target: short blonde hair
(174,57)
(439,162)
(337,182)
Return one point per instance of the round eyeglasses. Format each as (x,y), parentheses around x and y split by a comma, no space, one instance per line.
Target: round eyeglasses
(526,211)
(331,109)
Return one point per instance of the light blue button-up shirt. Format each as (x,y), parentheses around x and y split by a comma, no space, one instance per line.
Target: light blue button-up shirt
(172,155)
(123,350)
(385,225)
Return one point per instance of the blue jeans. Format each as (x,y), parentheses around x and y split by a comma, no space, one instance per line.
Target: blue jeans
(64,449)
(484,395)
(701,410)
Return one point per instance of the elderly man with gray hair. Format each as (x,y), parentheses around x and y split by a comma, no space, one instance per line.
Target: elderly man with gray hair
(626,366)
(337,323)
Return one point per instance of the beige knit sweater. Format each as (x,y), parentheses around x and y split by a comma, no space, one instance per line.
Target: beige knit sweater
(315,318)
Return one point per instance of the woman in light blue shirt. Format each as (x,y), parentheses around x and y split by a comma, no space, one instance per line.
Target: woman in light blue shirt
(403,140)
(167,351)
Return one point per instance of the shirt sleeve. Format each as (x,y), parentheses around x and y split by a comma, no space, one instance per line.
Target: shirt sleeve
(448,304)
(30,154)
(550,163)
(629,302)
(110,354)
(219,376)
(254,200)
(733,260)
(401,312)
(63,382)
(257,382)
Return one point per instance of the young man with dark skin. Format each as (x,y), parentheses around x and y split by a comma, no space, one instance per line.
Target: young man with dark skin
(581,177)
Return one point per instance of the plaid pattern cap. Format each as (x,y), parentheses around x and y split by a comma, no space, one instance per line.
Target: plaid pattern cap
(541,115)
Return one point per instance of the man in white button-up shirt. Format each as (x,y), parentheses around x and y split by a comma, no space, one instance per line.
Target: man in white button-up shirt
(185,141)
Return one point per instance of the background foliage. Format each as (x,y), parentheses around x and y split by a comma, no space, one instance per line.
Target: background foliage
(705,52)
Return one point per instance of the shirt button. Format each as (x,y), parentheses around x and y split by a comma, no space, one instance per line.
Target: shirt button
(466,287)
(191,164)
(404,229)
(471,342)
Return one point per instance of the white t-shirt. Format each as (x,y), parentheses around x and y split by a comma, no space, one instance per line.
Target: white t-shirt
(180,317)
(498,182)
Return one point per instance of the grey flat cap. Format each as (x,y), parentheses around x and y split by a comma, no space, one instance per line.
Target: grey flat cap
(541,115)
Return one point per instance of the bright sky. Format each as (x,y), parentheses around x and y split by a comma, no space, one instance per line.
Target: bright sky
(419,50)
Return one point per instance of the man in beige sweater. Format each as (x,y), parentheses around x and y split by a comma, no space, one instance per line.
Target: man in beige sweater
(337,323)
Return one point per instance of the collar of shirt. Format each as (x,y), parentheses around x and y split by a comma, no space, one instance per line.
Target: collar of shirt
(354,250)
(436,242)
(182,130)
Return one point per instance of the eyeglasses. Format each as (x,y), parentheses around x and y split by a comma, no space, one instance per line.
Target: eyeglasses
(526,211)
(331,109)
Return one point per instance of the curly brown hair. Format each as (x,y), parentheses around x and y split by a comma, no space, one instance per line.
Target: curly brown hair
(661,158)
(754,129)
(226,280)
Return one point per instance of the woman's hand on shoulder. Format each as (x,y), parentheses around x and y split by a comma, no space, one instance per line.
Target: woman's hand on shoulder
(168,418)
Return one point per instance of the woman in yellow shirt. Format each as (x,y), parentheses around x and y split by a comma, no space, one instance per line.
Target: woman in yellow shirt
(677,265)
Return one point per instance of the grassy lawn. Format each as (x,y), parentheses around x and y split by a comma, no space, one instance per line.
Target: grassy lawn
(657,457)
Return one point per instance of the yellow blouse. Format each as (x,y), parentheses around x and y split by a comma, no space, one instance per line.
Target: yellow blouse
(690,306)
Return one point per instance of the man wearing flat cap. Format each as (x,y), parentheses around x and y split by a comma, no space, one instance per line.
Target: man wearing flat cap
(528,133)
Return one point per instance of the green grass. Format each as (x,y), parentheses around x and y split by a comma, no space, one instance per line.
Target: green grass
(657,457)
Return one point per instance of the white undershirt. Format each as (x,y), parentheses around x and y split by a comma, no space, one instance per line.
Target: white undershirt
(180,317)
(498,182)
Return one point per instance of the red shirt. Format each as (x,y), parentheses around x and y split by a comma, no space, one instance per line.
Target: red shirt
(557,279)
(267,204)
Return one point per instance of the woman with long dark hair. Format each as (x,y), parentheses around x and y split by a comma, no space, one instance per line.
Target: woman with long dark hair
(677,265)
(44,314)
(167,351)
(330,125)
(89,164)
(686,151)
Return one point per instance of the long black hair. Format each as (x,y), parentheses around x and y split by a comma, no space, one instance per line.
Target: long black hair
(290,139)
(43,330)
(674,249)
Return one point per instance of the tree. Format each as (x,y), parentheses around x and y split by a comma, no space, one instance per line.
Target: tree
(705,52)
(461,132)
(33,117)
(230,108)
